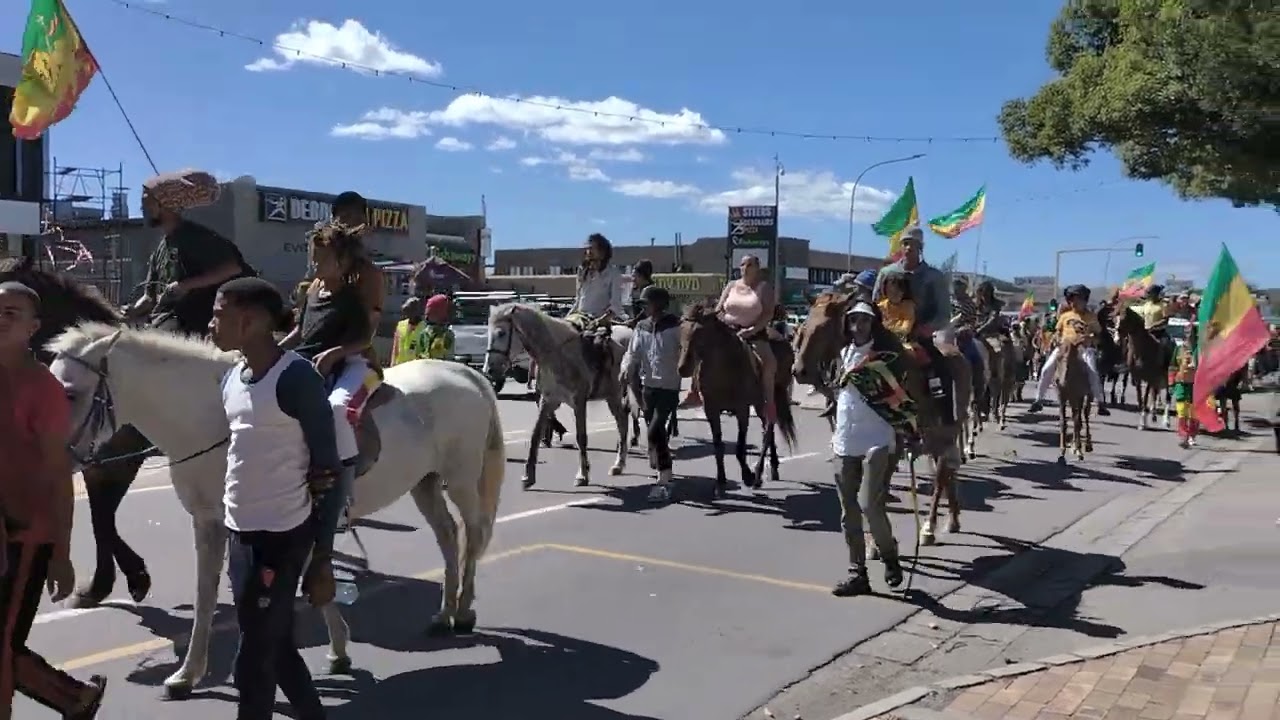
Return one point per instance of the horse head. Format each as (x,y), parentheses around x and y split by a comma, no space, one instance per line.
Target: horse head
(819,339)
(64,301)
(700,333)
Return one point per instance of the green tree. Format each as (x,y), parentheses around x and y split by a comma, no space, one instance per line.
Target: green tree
(1186,92)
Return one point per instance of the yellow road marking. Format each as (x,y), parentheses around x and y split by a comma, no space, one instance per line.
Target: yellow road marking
(689,567)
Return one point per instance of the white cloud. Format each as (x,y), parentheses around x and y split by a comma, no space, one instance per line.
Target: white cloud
(612,121)
(314,42)
(663,189)
(576,166)
(808,194)
(631,155)
(501,143)
(385,123)
(452,144)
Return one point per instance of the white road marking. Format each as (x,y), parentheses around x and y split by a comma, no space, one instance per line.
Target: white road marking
(591,430)
(118,603)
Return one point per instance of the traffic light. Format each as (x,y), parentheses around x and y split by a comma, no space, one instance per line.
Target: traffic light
(1138,250)
(1053,305)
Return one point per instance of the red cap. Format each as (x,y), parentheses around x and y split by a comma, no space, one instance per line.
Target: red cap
(438,303)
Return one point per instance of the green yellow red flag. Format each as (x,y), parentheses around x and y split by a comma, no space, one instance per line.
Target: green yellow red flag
(903,214)
(963,218)
(1136,284)
(1231,330)
(56,68)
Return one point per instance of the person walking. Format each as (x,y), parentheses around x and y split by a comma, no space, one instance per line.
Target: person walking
(655,359)
(865,443)
(282,462)
(36,509)
(404,342)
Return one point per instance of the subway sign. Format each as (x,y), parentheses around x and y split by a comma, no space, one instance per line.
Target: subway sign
(286,207)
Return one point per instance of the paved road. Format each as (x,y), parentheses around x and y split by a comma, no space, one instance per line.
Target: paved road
(595,605)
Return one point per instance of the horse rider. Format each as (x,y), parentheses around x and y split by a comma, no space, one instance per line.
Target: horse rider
(932,296)
(866,443)
(1075,325)
(599,299)
(1155,319)
(747,305)
(964,318)
(335,332)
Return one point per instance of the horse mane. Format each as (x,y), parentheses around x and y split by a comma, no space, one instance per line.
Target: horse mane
(698,311)
(86,300)
(534,324)
(76,339)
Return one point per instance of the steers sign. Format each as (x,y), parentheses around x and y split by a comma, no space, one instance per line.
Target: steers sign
(283,207)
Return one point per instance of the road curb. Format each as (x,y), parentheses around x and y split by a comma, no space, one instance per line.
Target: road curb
(914,695)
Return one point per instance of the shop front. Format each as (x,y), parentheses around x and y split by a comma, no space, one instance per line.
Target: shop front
(688,289)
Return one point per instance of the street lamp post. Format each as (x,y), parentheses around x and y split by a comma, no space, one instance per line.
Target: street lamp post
(1057,259)
(853,195)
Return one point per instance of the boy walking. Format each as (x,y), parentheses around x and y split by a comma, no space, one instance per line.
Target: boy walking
(281,460)
(435,340)
(655,359)
(36,507)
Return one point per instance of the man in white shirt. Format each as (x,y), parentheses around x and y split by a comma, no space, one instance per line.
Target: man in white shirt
(864,444)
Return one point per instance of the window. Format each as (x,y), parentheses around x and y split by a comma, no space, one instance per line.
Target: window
(554,270)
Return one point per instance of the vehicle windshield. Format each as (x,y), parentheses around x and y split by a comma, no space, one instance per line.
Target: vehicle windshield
(1178,331)
(475,311)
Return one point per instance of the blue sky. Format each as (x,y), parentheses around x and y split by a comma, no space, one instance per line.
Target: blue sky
(930,68)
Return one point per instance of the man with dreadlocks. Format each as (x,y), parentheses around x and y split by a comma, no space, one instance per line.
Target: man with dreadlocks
(599,295)
(335,330)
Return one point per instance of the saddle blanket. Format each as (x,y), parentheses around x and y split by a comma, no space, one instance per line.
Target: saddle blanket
(356,406)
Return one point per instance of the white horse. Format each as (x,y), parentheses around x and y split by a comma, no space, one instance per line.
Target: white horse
(564,377)
(438,424)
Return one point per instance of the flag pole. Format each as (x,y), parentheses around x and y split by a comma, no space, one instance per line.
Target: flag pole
(977,248)
(114,97)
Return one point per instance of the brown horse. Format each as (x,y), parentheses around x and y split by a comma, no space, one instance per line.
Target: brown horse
(1229,395)
(818,344)
(1072,380)
(64,303)
(1148,363)
(729,377)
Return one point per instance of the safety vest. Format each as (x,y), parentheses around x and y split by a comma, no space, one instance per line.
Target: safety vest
(405,350)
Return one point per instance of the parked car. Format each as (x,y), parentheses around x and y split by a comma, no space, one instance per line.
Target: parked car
(471,333)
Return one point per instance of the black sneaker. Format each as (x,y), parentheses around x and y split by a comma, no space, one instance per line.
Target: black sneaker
(90,710)
(1036,406)
(854,585)
(892,571)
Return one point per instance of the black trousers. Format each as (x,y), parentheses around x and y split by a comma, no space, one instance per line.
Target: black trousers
(266,568)
(22,670)
(659,406)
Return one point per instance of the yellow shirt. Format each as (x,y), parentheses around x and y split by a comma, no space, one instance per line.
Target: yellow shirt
(1150,312)
(1074,327)
(899,318)
(1184,368)
(403,349)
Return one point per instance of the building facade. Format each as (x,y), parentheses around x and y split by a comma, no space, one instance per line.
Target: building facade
(22,171)
(802,270)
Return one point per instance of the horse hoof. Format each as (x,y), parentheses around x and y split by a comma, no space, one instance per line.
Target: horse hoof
(953,527)
(83,600)
(614,470)
(339,666)
(581,482)
(873,552)
(440,628)
(1062,460)
(928,538)
(1088,447)
(463,625)
(177,689)
(139,585)
(527,482)
(721,490)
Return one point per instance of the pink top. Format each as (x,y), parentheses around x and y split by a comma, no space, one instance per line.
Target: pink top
(39,407)
(742,305)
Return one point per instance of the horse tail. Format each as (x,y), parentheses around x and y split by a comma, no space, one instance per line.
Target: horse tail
(786,421)
(492,471)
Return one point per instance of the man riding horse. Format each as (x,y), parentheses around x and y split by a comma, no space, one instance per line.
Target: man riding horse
(1154,317)
(599,302)
(964,318)
(932,299)
(1073,323)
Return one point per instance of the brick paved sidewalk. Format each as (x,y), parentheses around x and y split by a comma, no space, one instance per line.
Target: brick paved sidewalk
(1207,674)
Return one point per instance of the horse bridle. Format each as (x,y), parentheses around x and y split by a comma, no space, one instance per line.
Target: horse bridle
(102,414)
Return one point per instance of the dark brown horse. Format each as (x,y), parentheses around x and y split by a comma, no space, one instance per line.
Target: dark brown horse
(1148,361)
(1111,357)
(1074,397)
(107,478)
(818,343)
(1228,398)
(730,382)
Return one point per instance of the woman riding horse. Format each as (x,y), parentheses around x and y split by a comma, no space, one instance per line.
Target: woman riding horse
(747,306)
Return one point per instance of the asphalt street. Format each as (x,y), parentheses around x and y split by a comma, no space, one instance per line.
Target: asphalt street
(594,604)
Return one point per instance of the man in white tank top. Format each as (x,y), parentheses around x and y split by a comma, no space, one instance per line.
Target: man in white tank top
(281,460)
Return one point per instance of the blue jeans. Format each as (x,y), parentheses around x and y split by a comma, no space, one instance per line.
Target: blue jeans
(969,348)
(265,568)
(329,512)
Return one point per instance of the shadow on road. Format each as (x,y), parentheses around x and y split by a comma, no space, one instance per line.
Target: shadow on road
(1052,476)
(1052,600)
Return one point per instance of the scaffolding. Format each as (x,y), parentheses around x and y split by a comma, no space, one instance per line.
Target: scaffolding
(82,222)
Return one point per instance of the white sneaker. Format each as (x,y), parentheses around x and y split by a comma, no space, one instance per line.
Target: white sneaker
(660,494)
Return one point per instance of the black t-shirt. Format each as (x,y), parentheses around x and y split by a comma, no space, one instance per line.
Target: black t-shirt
(189,251)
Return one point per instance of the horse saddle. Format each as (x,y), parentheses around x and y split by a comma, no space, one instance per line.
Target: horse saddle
(368,440)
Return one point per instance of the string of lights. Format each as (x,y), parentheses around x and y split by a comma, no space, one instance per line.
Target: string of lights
(413,79)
